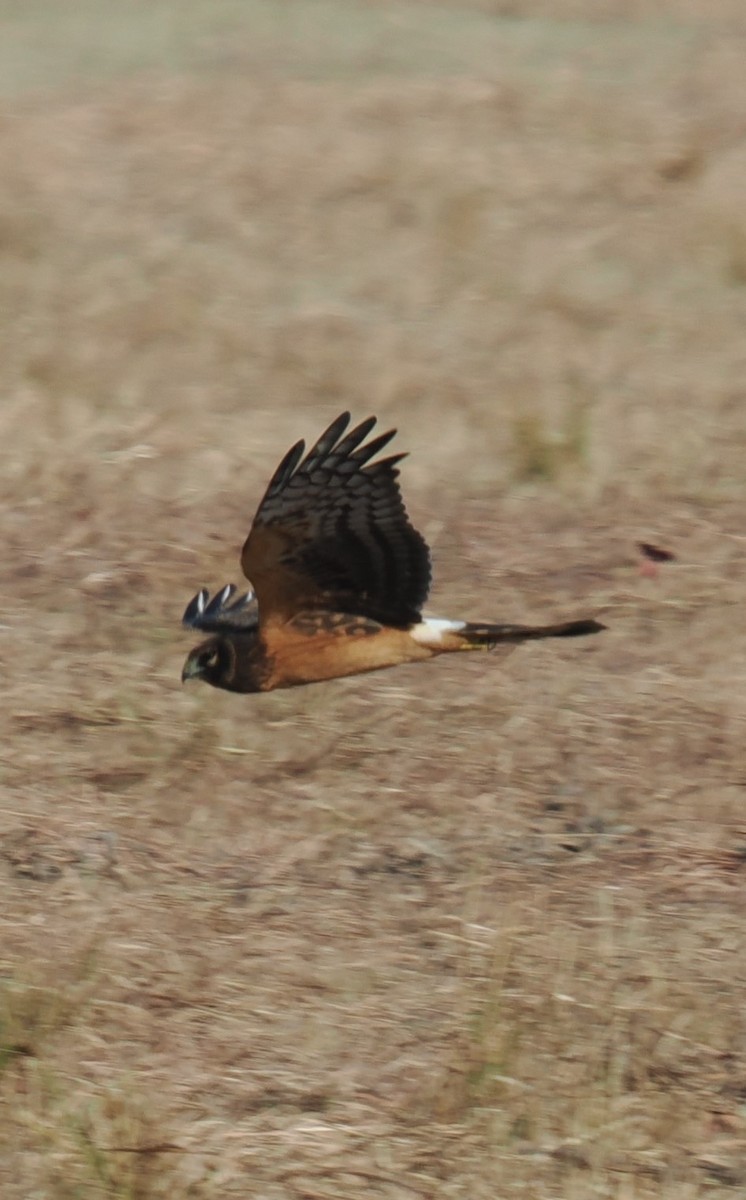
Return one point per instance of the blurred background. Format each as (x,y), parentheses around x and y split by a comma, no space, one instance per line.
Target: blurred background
(471,933)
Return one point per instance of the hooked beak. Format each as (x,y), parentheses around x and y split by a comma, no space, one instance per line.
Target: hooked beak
(192,669)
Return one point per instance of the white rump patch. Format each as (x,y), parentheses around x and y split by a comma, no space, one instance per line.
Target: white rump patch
(430,630)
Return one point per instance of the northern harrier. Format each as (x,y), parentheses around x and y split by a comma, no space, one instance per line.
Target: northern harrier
(339,576)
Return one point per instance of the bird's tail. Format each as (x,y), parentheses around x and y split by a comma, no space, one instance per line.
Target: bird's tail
(479,636)
(442,637)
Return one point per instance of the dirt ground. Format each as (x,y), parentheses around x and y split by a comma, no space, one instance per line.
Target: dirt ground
(470,929)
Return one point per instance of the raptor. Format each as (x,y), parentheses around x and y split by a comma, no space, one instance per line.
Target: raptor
(339,578)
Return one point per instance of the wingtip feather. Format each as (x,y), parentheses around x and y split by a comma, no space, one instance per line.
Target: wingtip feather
(195,608)
(205,614)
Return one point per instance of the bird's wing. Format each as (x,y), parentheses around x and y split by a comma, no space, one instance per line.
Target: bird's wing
(222,612)
(332,533)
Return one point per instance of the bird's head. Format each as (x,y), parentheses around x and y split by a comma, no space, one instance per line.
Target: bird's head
(212,661)
(228,661)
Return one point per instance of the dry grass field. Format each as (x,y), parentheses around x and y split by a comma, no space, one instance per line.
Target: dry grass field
(473,929)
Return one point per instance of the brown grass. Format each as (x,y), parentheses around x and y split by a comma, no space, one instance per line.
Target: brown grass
(466,930)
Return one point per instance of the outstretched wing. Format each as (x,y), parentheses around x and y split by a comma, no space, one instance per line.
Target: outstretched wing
(332,533)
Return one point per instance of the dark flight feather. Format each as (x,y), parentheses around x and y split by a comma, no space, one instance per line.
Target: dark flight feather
(334,522)
(216,615)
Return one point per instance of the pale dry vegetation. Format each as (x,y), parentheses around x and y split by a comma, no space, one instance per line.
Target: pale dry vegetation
(467,930)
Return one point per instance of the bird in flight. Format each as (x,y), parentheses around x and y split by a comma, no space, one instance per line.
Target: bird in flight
(339,579)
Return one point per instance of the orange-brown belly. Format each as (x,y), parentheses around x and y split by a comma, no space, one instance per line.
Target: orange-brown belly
(329,646)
